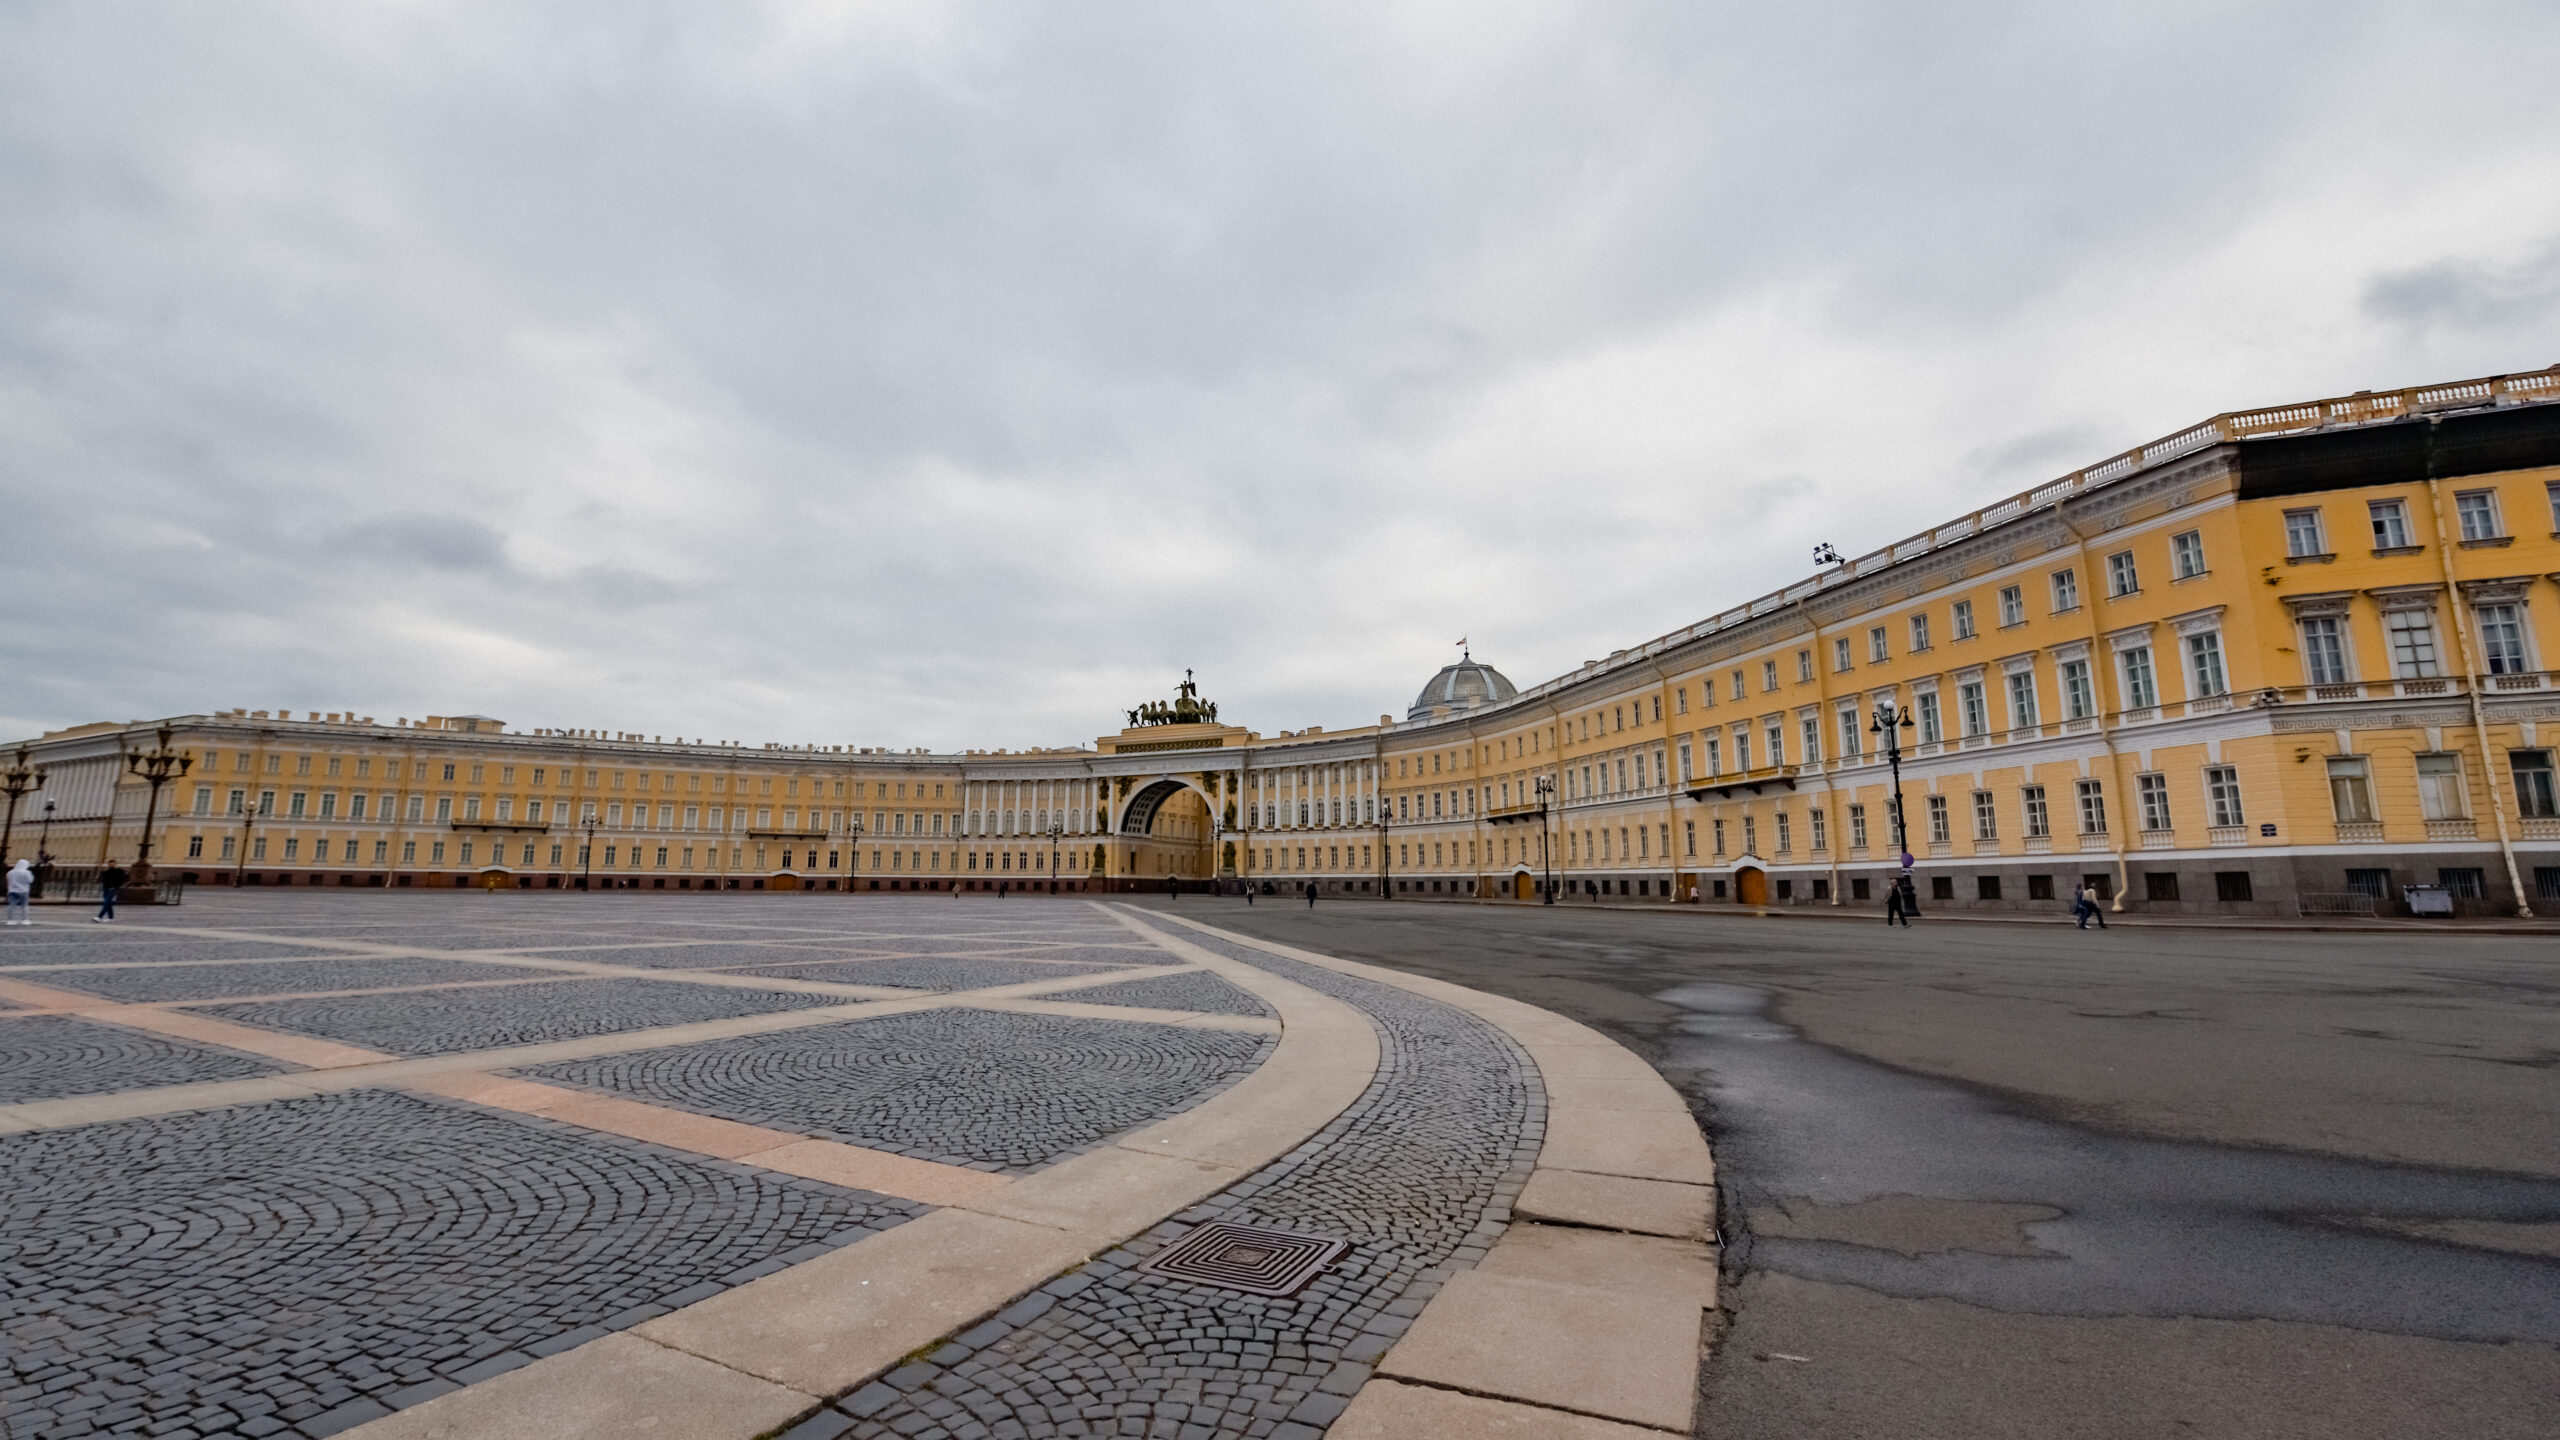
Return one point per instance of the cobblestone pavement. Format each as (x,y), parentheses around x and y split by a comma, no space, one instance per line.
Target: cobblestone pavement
(1187,990)
(51,950)
(924,973)
(1418,1174)
(201,982)
(46,1057)
(305,1265)
(298,1266)
(439,1022)
(985,1089)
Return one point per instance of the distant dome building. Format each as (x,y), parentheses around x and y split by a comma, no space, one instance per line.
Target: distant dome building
(1468,685)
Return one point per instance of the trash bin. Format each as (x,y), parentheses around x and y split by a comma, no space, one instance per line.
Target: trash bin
(2427,899)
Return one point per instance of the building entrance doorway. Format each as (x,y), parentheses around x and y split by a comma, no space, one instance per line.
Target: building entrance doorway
(1523,885)
(1751,885)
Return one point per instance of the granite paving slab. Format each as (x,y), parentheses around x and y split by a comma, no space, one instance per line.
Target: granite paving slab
(990,1090)
(1418,1175)
(296,1267)
(1196,990)
(48,1057)
(207,982)
(156,951)
(442,1022)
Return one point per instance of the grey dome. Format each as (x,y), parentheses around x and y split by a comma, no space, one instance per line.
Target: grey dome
(1468,685)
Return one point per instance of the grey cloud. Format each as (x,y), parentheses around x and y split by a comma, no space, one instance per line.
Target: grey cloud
(938,375)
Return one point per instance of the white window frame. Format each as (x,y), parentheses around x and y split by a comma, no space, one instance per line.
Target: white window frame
(2186,555)
(2124,577)
(2390,524)
(2305,534)
(2476,511)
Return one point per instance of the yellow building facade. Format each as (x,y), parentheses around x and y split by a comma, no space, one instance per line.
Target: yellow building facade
(2283,661)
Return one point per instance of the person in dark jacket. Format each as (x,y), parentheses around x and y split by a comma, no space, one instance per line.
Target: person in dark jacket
(1893,912)
(1910,898)
(1311,894)
(109,883)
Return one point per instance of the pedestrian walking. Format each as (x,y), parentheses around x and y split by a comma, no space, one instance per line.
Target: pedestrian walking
(1002,888)
(22,883)
(1248,892)
(109,884)
(1893,912)
(1910,898)
(2084,907)
(1311,894)
(1172,888)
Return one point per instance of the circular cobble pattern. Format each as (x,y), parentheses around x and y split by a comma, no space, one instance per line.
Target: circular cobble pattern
(1188,990)
(1419,1175)
(923,973)
(289,1268)
(46,1057)
(986,1089)
(441,1022)
(276,977)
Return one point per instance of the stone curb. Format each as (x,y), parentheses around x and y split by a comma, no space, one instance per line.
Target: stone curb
(744,1362)
(1587,1319)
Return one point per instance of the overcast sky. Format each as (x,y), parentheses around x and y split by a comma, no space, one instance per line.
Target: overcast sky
(952,375)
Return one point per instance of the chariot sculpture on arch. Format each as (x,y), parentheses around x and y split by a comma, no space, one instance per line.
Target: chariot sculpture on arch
(1187,708)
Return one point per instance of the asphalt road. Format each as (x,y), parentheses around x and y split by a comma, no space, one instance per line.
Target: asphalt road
(1994,1180)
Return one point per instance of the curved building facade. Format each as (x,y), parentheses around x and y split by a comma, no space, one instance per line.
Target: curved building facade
(2282,661)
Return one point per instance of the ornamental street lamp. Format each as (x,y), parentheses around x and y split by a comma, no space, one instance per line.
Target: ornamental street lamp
(1546,792)
(1889,721)
(587,853)
(16,782)
(248,822)
(156,767)
(853,828)
(1053,832)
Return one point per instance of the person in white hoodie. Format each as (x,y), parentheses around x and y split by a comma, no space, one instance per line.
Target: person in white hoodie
(22,882)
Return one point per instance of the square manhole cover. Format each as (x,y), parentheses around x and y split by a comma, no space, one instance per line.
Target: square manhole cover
(1247,1258)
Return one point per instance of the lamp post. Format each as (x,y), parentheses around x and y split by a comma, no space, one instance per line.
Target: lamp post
(587,853)
(156,767)
(16,782)
(248,822)
(1546,792)
(1889,721)
(1053,832)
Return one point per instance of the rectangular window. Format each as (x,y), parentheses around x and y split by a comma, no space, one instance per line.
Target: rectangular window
(2412,634)
(1974,709)
(1858,824)
(1920,632)
(2502,639)
(2232,885)
(1768,675)
(1986,887)
(299,803)
(2478,512)
(1687,774)
(2121,579)
(204,800)
(2160,885)
(1810,734)
(2324,651)
(1878,650)
(2013,606)
(1804,666)
(1849,732)
(2536,798)
(2222,796)
(2066,590)
(2390,524)
(1986,816)
(1840,656)
(2079,697)
(2552,493)
(2441,792)
(1821,829)
(2465,882)
(2151,792)
(1932,729)
(2204,666)
(1737,689)
(355,807)
(2022,701)
(2039,819)
(1961,616)
(2302,533)
(1777,742)
(2093,808)
(1938,829)
(2186,555)
(1786,833)
(2351,789)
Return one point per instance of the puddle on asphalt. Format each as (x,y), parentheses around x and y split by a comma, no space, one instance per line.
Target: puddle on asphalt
(1849,1171)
